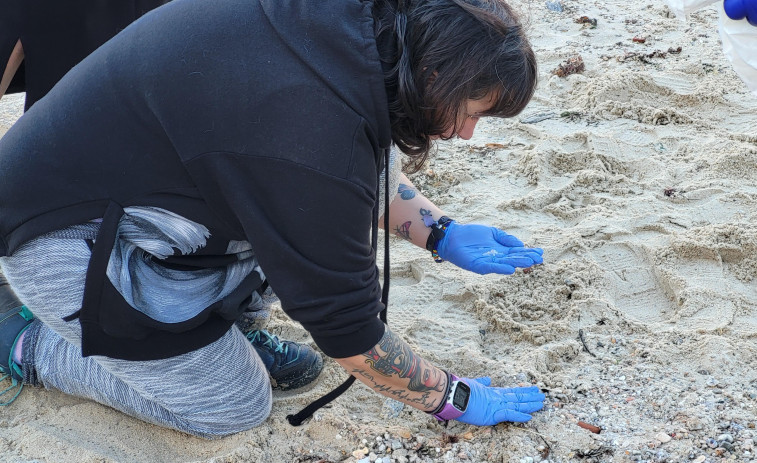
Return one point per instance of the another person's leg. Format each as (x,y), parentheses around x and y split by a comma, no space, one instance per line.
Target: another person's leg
(218,390)
(17,56)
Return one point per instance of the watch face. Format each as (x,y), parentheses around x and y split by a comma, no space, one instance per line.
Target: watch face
(461,396)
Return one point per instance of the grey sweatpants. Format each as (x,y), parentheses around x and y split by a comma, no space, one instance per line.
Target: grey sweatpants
(217,390)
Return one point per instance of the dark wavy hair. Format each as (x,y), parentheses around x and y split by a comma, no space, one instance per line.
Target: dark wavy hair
(437,54)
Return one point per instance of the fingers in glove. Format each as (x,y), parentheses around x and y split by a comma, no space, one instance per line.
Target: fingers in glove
(506,240)
(531,397)
(534,253)
(523,407)
(511,415)
(485,380)
(514,261)
(514,244)
(525,249)
(521,390)
(483,268)
(520,394)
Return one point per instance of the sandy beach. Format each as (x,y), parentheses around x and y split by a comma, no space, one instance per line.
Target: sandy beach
(638,176)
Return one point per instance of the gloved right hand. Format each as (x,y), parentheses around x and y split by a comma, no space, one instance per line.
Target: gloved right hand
(740,9)
(483,249)
(491,405)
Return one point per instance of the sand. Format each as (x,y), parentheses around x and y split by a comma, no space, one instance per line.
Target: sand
(638,177)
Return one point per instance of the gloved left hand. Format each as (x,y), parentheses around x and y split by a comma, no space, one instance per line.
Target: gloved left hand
(491,405)
(483,249)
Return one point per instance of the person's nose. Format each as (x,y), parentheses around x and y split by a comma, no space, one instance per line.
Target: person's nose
(467,131)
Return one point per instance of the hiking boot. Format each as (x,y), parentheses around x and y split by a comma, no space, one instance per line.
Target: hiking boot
(15,318)
(291,365)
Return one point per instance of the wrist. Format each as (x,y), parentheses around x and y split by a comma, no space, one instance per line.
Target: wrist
(445,394)
(455,400)
(438,232)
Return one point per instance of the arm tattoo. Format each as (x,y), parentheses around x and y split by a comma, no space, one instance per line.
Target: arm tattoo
(425,401)
(403,231)
(406,192)
(392,356)
(428,219)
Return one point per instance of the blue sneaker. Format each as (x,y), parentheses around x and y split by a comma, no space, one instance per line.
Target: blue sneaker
(15,318)
(291,365)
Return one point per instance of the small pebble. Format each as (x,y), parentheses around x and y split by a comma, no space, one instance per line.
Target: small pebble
(554,5)
(391,409)
(662,437)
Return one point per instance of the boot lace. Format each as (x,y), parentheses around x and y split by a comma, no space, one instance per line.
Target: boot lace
(268,340)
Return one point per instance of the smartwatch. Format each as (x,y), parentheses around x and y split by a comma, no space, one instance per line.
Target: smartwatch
(456,400)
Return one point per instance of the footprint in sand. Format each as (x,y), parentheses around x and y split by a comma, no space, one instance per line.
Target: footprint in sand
(633,286)
(429,313)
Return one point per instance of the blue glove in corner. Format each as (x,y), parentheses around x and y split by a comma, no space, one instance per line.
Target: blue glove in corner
(483,249)
(488,406)
(740,9)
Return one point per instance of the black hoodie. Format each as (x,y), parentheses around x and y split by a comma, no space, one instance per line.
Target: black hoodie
(56,35)
(264,120)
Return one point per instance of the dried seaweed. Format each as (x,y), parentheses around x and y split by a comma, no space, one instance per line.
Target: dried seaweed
(573,65)
(645,57)
(598,454)
(587,20)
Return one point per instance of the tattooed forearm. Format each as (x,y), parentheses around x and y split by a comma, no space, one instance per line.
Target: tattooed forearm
(406,192)
(403,231)
(424,399)
(392,356)
(394,370)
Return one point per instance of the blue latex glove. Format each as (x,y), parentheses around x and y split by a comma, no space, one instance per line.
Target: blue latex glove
(740,9)
(491,405)
(483,249)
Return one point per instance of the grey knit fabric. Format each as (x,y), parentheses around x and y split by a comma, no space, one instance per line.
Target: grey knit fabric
(214,391)
(395,170)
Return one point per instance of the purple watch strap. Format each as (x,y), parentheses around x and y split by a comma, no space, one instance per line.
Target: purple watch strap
(449,412)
